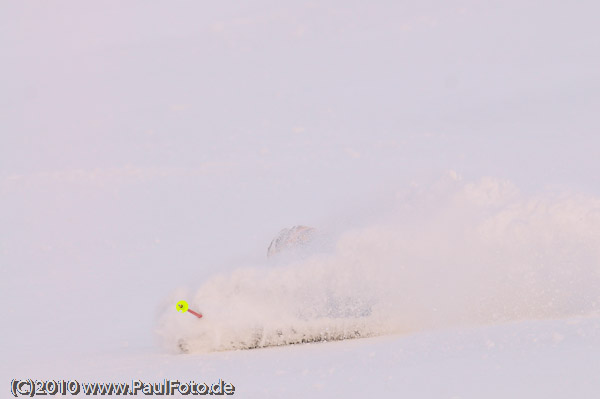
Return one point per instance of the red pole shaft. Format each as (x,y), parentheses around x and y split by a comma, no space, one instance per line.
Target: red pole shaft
(198,315)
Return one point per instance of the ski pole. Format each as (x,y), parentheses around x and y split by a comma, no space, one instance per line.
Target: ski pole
(182,306)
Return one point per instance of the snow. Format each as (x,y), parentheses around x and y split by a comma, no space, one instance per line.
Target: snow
(552,358)
(447,151)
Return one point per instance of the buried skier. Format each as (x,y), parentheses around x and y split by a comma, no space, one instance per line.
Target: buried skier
(296,240)
(252,316)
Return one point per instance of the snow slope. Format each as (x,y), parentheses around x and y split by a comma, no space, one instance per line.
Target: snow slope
(545,359)
(149,152)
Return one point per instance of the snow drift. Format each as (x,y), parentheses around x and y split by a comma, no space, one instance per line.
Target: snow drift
(455,253)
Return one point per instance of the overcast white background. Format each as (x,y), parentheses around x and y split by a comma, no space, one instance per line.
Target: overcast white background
(146,145)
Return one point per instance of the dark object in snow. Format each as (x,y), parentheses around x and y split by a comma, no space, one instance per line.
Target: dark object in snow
(291,240)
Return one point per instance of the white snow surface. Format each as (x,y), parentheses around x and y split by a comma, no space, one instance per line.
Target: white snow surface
(446,152)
